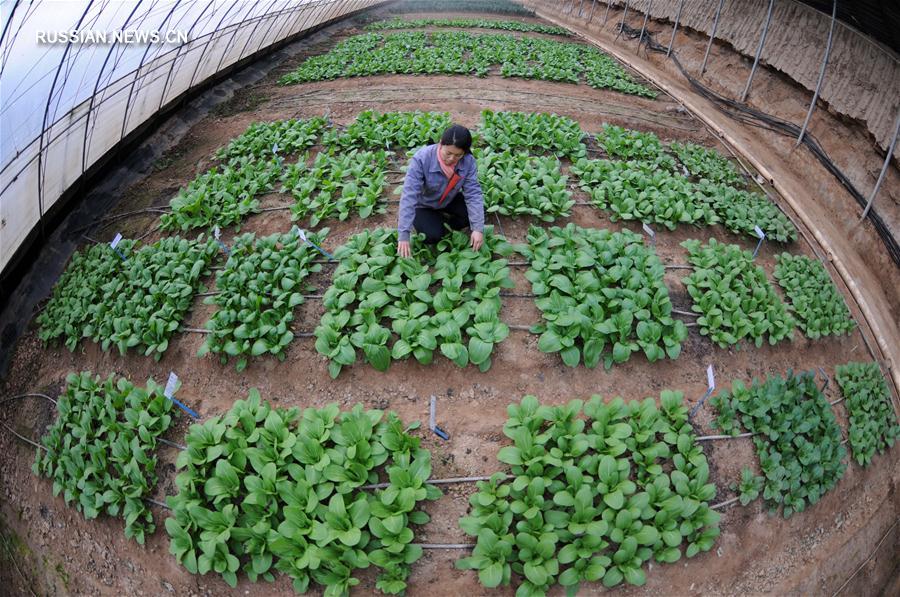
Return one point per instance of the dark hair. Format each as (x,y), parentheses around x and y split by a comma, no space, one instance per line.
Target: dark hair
(458,136)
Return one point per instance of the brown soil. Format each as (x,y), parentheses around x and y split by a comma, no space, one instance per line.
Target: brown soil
(58,552)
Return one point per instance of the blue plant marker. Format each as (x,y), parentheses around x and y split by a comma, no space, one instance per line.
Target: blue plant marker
(761,236)
(302,235)
(170,391)
(216,234)
(114,243)
(710,386)
(432,415)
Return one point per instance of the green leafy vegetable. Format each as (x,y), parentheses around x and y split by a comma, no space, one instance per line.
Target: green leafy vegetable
(601,294)
(265,490)
(592,499)
(819,307)
(447,298)
(797,438)
(733,296)
(516,184)
(281,137)
(467,23)
(550,133)
(258,289)
(136,303)
(222,196)
(707,164)
(456,52)
(100,450)
(644,192)
(873,423)
(336,184)
(408,130)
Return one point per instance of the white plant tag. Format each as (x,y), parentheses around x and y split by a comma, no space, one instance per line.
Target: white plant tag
(217,233)
(710,378)
(759,233)
(115,242)
(170,385)
(649,231)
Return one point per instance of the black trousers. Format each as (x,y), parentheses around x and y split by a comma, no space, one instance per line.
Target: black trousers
(431,222)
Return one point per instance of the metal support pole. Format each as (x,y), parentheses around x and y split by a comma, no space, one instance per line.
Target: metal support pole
(712,36)
(762,41)
(581,9)
(593,5)
(887,161)
(622,24)
(644,26)
(812,104)
(675,28)
(606,16)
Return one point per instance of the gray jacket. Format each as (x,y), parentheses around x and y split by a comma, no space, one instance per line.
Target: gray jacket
(425,183)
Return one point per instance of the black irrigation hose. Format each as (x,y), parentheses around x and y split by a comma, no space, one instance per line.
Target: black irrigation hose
(753,117)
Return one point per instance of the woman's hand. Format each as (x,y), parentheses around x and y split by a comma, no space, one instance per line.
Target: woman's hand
(403,248)
(477,240)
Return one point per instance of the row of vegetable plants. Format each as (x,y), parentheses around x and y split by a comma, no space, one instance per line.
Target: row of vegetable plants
(402,130)
(127,297)
(336,185)
(647,186)
(601,295)
(591,499)
(100,450)
(873,423)
(795,433)
(468,24)
(265,490)
(521,184)
(464,53)
(477,6)
(262,282)
(446,298)
(733,296)
(817,305)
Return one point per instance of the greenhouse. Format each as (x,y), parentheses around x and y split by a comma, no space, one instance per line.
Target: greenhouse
(486,297)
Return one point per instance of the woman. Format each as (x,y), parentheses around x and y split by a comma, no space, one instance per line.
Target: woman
(441,187)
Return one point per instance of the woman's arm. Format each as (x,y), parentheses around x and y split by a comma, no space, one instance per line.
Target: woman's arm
(471,190)
(412,190)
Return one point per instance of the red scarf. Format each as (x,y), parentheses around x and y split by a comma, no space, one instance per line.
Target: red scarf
(449,172)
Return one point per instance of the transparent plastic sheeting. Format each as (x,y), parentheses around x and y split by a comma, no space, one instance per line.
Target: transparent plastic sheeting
(67,96)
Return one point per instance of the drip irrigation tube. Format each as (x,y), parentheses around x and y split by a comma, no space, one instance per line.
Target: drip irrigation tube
(724,504)
(712,437)
(172,444)
(30,395)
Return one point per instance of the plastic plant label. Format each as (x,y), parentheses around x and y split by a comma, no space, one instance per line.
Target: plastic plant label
(275,148)
(301,234)
(759,233)
(217,233)
(115,241)
(649,231)
(170,385)
(432,414)
(710,378)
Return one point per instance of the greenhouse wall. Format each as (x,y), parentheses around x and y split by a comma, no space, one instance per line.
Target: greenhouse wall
(65,106)
(862,79)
